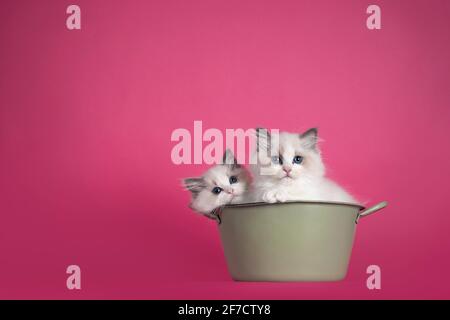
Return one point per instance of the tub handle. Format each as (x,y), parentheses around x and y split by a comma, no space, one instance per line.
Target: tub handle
(371,210)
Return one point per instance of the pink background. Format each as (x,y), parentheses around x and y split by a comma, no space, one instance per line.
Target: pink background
(86,117)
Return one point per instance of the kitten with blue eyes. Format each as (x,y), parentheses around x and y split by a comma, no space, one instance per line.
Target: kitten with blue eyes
(222,184)
(293,170)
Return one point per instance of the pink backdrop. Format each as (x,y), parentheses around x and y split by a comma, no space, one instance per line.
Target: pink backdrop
(86,118)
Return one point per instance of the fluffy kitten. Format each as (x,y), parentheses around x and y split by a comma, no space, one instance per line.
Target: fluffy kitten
(295,172)
(222,184)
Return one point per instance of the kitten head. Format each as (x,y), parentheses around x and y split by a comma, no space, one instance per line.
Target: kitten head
(218,186)
(287,157)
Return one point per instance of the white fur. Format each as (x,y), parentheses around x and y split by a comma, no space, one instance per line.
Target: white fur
(306,181)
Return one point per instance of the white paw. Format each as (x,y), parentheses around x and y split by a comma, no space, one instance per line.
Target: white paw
(274,196)
(281,196)
(269,196)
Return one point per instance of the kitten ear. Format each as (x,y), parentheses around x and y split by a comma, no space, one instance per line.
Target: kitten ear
(262,139)
(229,159)
(194,185)
(309,138)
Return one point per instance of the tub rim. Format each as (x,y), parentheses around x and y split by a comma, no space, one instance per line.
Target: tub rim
(261,203)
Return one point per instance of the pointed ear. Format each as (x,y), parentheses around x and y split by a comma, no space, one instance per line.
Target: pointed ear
(309,138)
(262,139)
(229,159)
(194,185)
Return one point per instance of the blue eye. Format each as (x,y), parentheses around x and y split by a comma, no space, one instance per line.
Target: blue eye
(233,179)
(217,190)
(297,159)
(277,160)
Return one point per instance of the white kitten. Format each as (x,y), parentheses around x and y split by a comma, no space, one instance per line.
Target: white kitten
(222,184)
(296,172)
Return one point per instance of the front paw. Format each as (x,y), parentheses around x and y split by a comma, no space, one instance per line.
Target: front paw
(274,196)
(269,197)
(281,196)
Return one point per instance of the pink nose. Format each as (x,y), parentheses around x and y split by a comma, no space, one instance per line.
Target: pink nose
(287,170)
(230,191)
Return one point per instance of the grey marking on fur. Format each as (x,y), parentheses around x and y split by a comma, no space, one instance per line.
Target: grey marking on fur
(262,135)
(229,159)
(311,137)
(194,185)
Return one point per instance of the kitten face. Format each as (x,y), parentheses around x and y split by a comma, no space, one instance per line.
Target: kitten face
(295,155)
(218,186)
